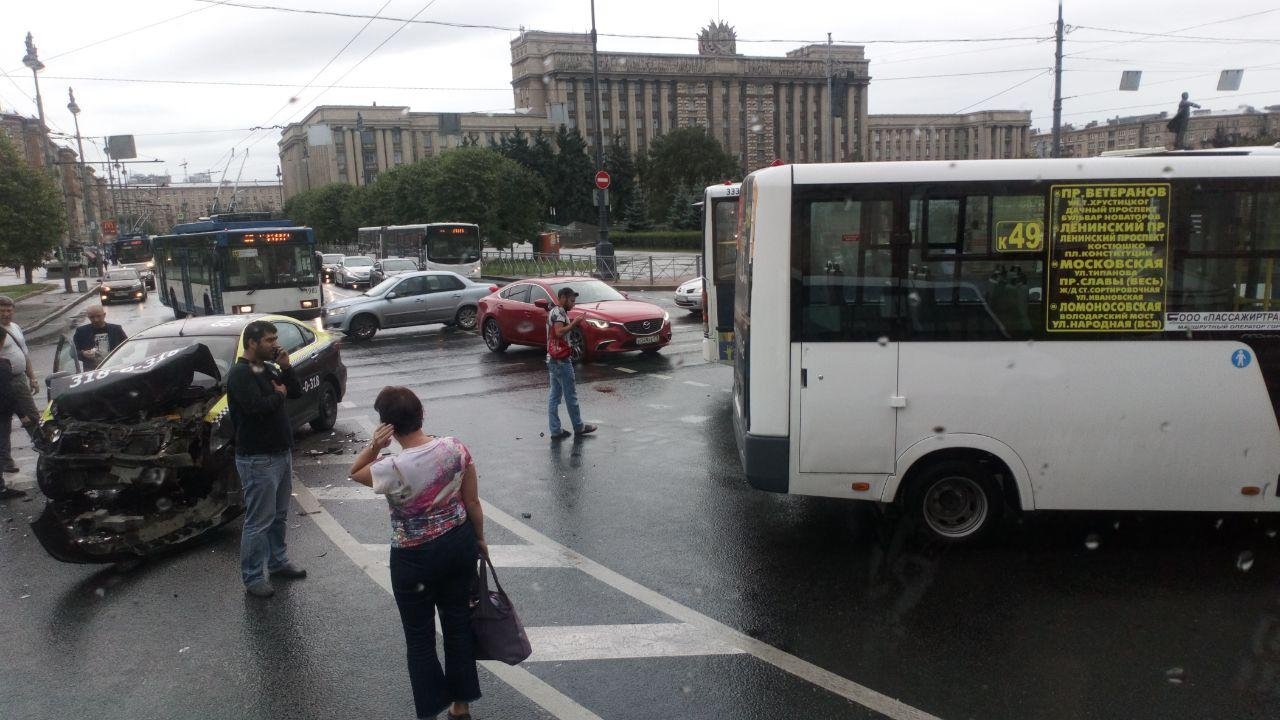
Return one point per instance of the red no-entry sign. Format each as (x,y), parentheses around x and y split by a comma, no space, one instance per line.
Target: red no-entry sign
(603,180)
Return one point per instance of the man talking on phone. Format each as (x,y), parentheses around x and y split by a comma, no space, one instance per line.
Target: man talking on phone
(257,386)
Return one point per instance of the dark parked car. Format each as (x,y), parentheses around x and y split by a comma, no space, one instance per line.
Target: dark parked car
(138,454)
(390,267)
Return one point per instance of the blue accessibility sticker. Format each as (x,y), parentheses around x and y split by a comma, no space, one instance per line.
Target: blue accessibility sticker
(1241,358)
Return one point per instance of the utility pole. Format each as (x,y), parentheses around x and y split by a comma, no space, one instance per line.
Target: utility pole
(85,189)
(831,107)
(111,183)
(604,248)
(1057,87)
(32,60)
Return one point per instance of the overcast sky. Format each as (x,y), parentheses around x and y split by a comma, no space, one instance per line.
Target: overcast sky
(201,123)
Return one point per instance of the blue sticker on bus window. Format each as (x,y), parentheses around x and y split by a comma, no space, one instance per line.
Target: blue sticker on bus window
(1241,358)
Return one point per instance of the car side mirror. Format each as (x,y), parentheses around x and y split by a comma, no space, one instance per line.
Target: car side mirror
(393,295)
(542,303)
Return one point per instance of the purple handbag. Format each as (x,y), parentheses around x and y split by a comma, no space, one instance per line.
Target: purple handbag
(494,623)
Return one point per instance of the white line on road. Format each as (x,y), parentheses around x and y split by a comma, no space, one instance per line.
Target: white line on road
(616,642)
(521,680)
(802,669)
(512,556)
(660,377)
(347,405)
(695,383)
(627,370)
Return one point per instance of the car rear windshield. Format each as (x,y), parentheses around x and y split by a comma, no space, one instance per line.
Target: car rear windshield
(136,350)
(122,275)
(589,291)
(399,264)
(331,259)
(358,262)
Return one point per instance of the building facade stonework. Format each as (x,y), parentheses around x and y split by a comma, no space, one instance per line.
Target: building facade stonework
(1206,129)
(34,145)
(167,205)
(760,109)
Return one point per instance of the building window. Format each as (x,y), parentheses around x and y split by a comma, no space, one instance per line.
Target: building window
(426,140)
(397,157)
(366,138)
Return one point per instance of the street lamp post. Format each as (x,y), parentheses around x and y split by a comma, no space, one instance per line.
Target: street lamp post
(32,60)
(604,249)
(89,220)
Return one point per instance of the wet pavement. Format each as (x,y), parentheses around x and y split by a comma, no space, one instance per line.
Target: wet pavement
(653,581)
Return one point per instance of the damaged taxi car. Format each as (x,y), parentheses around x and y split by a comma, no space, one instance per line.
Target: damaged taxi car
(138,454)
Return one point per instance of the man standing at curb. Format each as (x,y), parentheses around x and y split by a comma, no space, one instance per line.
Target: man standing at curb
(94,341)
(22,385)
(257,386)
(560,367)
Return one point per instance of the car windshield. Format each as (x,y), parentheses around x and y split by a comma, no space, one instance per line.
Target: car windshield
(331,259)
(136,350)
(589,291)
(399,264)
(122,275)
(358,261)
(382,287)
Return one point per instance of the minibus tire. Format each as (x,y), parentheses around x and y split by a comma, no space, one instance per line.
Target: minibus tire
(955,500)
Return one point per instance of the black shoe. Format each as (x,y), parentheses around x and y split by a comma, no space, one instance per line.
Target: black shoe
(12,467)
(586,429)
(10,493)
(560,435)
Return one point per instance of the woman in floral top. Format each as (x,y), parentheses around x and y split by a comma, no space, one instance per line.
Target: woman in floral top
(437,533)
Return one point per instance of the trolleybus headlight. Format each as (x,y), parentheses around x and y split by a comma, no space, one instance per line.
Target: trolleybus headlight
(241,309)
(308,304)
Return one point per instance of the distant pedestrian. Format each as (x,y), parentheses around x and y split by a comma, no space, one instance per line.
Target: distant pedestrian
(97,339)
(560,367)
(15,362)
(437,535)
(1178,125)
(257,386)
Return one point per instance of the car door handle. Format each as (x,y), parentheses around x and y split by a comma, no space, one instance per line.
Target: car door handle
(457,295)
(313,356)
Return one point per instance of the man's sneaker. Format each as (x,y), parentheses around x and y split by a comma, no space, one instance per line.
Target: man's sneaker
(289,571)
(560,435)
(11,467)
(586,429)
(10,493)
(260,589)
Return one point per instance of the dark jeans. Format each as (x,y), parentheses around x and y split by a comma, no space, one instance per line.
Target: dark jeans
(438,574)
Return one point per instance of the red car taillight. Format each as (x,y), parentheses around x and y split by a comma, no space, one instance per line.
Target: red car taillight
(493,288)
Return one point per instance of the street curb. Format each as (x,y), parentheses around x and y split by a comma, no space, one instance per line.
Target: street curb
(497,278)
(57,313)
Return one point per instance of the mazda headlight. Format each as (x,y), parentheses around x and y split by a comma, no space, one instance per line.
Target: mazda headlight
(666,316)
(598,324)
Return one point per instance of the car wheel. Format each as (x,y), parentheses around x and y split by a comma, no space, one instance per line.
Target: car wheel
(363,327)
(493,336)
(578,347)
(466,317)
(328,410)
(173,303)
(956,500)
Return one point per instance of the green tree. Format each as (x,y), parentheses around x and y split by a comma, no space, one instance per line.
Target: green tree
(32,217)
(323,210)
(687,157)
(570,179)
(684,214)
(479,185)
(636,216)
(400,194)
(621,167)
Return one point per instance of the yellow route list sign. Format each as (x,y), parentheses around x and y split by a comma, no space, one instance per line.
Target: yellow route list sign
(1108,247)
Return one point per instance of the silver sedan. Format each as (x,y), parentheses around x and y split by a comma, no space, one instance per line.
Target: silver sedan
(415,298)
(689,295)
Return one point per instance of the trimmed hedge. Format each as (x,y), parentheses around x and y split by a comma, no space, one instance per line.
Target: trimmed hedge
(657,239)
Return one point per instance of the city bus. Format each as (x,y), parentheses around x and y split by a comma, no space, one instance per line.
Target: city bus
(456,247)
(719,260)
(134,251)
(218,266)
(959,338)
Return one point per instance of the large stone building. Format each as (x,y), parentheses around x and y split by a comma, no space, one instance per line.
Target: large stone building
(1205,129)
(33,143)
(760,109)
(166,205)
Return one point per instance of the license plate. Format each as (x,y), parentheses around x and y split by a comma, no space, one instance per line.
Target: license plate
(648,340)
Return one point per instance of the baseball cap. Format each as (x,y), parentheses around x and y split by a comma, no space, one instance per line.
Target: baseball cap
(566,291)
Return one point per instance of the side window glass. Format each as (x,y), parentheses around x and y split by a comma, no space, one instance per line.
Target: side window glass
(539,293)
(412,286)
(450,282)
(290,336)
(65,358)
(308,337)
(1232,263)
(519,293)
(845,277)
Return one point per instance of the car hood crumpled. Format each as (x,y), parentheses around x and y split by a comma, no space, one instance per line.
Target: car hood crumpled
(126,392)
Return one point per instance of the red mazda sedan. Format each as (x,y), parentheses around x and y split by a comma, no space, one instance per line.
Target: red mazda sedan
(517,315)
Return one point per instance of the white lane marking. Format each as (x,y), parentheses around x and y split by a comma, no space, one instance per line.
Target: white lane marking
(345,491)
(660,377)
(347,405)
(522,681)
(694,419)
(615,642)
(510,556)
(627,370)
(696,383)
(802,669)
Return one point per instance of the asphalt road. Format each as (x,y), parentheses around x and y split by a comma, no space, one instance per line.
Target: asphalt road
(653,581)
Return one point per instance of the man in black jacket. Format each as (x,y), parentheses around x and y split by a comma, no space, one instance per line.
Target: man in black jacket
(257,386)
(94,341)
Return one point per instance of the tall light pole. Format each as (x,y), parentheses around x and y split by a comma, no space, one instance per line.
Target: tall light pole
(85,189)
(604,248)
(32,60)
(1057,87)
